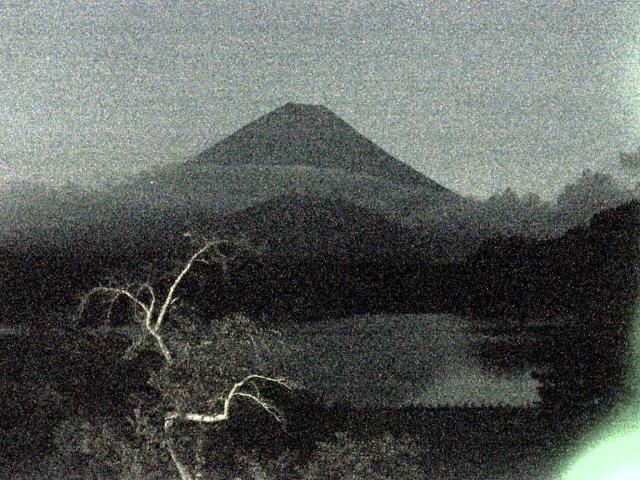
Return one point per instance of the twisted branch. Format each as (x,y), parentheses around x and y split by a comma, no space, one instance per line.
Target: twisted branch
(169,298)
(171,418)
(152,326)
(233,392)
(153,321)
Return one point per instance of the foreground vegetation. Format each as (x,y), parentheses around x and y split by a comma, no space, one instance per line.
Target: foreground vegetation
(196,399)
(95,405)
(75,408)
(117,433)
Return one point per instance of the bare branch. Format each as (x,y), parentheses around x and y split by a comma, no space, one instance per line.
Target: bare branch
(236,388)
(153,296)
(144,299)
(234,392)
(147,286)
(111,303)
(164,350)
(194,417)
(178,279)
(115,293)
(222,259)
(280,381)
(267,406)
(182,468)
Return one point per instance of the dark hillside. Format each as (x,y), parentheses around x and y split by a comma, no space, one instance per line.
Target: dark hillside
(297,226)
(588,278)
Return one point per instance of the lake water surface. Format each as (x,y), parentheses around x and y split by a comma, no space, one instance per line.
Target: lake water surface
(399,360)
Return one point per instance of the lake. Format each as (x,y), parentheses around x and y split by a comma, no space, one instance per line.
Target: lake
(400,360)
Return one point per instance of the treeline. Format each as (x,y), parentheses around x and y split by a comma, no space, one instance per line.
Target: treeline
(588,271)
(507,213)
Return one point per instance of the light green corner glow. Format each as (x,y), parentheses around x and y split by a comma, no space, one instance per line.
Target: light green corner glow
(612,452)
(617,457)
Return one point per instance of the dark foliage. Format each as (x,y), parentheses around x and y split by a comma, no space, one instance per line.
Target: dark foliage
(49,376)
(589,276)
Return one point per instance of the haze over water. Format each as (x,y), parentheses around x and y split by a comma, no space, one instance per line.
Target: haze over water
(399,360)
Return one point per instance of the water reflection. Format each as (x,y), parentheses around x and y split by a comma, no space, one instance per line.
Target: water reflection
(399,360)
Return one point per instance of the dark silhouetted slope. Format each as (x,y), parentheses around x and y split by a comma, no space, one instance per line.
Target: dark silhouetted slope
(588,279)
(296,226)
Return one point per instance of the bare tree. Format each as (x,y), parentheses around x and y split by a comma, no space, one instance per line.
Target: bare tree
(151,313)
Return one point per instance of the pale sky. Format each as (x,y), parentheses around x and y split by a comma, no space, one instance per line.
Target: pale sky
(478,96)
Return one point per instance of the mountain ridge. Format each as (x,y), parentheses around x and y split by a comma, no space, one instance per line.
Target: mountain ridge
(307,224)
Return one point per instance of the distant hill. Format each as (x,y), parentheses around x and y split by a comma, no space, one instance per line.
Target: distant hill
(314,192)
(588,274)
(298,226)
(56,242)
(311,135)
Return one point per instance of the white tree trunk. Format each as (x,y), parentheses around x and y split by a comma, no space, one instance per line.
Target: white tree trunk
(152,321)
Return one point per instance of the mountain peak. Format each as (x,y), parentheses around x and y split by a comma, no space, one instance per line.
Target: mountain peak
(303,107)
(311,135)
(291,116)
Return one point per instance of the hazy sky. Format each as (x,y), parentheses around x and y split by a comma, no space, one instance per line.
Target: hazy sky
(478,96)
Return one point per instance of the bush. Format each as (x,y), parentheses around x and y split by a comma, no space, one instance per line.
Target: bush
(100,448)
(207,362)
(207,373)
(379,458)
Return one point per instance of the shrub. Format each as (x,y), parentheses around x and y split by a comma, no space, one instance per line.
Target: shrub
(378,458)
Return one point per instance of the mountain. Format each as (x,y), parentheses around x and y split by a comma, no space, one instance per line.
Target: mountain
(294,150)
(299,182)
(298,226)
(277,163)
(311,135)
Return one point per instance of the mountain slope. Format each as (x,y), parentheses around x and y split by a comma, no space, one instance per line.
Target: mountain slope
(297,134)
(297,226)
